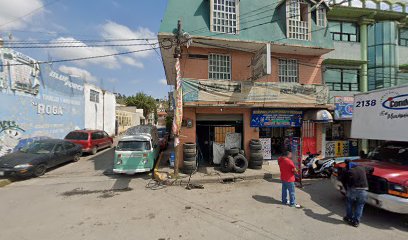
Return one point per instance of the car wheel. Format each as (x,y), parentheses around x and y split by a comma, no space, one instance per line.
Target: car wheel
(77,157)
(94,150)
(39,170)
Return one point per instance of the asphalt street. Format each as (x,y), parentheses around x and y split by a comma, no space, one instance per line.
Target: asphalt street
(84,200)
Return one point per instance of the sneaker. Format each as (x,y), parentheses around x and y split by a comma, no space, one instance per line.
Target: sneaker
(295,206)
(347,219)
(355,223)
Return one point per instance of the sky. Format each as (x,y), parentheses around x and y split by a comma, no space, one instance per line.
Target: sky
(56,21)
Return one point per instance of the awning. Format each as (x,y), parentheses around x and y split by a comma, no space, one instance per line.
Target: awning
(322,116)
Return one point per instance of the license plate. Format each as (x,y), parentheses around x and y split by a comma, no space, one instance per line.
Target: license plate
(1,173)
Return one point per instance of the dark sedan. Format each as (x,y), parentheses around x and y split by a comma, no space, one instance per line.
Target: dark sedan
(37,157)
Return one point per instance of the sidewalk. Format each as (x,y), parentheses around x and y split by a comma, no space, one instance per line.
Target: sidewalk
(212,174)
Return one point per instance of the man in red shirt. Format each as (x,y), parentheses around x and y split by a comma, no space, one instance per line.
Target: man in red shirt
(288,170)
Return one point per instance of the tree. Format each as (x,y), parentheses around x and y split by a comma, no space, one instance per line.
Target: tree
(143,101)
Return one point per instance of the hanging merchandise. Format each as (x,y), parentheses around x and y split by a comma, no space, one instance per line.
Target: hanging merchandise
(266,148)
(233,140)
(178,116)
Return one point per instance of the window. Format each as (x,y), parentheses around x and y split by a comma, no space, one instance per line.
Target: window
(338,79)
(321,16)
(288,70)
(344,31)
(298,19)
(133,146)
(403,37)
(59,148)
(94,96)
(225,16)
(69,145)
(77,136)
(219,67)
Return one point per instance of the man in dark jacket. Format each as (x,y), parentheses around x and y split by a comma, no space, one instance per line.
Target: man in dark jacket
(354,179)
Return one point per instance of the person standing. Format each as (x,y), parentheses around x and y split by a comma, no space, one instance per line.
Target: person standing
(288,170)
(354,179)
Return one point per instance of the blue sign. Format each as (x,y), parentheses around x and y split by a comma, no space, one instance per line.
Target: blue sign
(343,108)
(276,118)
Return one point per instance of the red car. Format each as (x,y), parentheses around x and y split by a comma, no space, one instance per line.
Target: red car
(91,140)
(388,185)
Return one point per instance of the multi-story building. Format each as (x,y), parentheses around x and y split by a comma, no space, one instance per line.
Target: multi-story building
(370,52)
(254,68)
(127,117)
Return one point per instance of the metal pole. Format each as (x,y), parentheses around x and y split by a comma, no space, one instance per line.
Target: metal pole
(177,55)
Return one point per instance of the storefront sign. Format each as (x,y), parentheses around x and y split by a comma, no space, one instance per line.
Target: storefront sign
(275,118)
(253,92)
(344,108)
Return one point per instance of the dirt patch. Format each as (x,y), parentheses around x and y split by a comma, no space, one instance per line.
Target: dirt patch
(103,193)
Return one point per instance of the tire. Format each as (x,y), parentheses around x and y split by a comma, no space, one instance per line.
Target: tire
(256,167)
(192,151)
(227,164)
(255,142)
(190,159)
(94,151)
(255,147)
(189,167)
(189,146)
(256,156)
(189,155)
(305,173)
(242,152)
(240,163)
(255,162)
(232,151)
(39,170)
(77,157)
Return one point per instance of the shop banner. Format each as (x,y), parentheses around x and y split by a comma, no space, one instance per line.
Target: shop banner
(381,115)
(253,92)
(275,118)
(343,108)
(266,148)
(178,116)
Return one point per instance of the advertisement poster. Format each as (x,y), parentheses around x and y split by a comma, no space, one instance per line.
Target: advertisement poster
(381,115)
(343,108)
(266,148)
(36,102)
(275,118)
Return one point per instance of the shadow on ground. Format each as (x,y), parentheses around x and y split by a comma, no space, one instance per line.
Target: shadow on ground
(325,195)
(266,199)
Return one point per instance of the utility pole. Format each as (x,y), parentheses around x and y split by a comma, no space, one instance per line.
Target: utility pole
(178,116)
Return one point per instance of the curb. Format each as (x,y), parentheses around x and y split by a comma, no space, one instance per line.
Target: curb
(5,182)
(230,178)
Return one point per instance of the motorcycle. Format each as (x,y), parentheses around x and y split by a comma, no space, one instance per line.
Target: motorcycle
(314,167)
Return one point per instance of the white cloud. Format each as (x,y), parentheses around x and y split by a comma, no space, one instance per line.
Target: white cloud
(79,72)
(112,30)
(163,81)
(78,51)
(112,80)
(12,12)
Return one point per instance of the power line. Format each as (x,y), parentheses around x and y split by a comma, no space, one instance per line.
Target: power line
(78,40)
(86,46)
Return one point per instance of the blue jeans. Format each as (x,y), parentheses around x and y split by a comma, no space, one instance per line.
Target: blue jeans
(356,199)
(288,187)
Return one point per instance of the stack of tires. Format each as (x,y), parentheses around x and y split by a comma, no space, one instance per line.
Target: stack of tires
(234,160)
(256,155)
(190,158)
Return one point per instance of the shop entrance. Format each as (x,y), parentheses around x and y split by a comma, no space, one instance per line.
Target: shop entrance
(210,132)
(280,138)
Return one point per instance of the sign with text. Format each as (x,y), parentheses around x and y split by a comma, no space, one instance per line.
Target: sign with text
(343,108)
(276,118)
(381,115)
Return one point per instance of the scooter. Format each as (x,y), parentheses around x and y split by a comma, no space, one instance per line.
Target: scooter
(317,168)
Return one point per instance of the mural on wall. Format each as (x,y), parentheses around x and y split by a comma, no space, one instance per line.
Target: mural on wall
(36,102)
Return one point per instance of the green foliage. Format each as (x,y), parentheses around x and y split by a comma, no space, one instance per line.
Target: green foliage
(143,101)
(169,123)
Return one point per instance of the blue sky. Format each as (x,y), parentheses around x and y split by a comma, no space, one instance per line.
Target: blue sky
(79,20)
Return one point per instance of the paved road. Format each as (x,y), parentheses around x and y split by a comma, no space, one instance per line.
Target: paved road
(84,201)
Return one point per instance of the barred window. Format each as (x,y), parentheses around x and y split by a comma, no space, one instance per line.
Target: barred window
(298,26)
(94,96)
(219,67)
(321,16)
(288,70)
(225,16)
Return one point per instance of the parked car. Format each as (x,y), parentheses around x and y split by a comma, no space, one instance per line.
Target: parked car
(90,140)
(388,184)
(163,133)
(34,159)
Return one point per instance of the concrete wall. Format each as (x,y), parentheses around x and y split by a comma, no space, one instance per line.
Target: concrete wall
(100,115)
(309,66)
(345,50)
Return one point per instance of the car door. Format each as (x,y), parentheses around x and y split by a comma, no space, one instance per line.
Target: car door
(106,139)
(60,154)
(70,150)
(95,141)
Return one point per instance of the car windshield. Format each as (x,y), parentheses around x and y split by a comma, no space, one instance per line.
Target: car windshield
(77,136)
(133,146)
(38,148)
(392,153)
